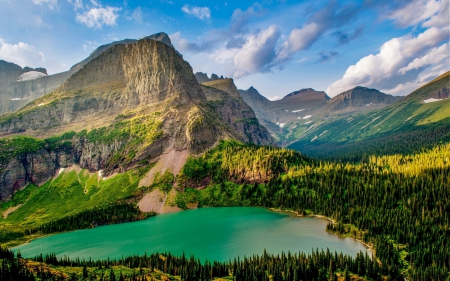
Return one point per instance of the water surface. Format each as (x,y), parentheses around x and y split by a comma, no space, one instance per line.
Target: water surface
(208,233)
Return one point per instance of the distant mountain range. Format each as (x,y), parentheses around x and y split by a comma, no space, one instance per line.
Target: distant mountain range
(419,120)
(289,118)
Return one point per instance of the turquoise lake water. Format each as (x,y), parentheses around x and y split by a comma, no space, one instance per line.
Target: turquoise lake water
(208,233)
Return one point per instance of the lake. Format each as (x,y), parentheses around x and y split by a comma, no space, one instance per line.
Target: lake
(208,233)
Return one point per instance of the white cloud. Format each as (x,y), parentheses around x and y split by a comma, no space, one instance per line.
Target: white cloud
(97,17)
(257,53)
(21,54)
(401,62)
(203,13)
(136,16)
(51,3)
(300,39)
(442,19)
(78,4)
(415,12)
(96,3)
(39,21)
(24,54)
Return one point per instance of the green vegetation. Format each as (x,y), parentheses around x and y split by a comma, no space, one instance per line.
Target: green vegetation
(322,265)
(404,127)
(11,147)
(400,204)
(163,181)
(397,203)
(236,161)
(407,142)
(115,213)
(71,193)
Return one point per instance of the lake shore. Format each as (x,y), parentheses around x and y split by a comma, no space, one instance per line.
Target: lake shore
(369,247)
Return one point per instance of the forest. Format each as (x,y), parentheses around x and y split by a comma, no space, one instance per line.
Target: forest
(399,204)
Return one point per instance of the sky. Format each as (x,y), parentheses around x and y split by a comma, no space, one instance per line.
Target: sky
(276,46)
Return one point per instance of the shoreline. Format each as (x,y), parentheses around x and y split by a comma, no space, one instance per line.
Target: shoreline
(369,247)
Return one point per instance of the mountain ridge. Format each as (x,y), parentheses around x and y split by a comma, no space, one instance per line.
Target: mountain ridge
(131,104)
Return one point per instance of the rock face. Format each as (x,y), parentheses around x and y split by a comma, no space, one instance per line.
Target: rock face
(16,94)
(129,104)
(360,97)
(224,98)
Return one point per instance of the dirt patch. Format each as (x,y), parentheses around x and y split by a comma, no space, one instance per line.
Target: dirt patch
(172,160)
(153,201)
(8,211)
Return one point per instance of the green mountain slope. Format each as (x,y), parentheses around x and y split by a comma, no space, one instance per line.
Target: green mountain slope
(407,125)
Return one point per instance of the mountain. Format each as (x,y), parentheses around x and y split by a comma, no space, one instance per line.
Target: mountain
(421,119)
(361,97)
(132,104)
(290,117)
(19,86)
(16,92)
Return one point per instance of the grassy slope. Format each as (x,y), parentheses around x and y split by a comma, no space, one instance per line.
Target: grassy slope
(70,193)
(408,115)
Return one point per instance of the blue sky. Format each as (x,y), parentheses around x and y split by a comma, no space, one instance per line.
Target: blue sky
(276,46)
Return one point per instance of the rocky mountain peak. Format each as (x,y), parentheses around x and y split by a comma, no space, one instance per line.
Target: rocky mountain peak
(203,77)
(161,37)
(310,93)
(362,96)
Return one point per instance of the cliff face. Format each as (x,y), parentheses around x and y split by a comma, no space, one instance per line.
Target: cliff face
(129,105)
(224,99)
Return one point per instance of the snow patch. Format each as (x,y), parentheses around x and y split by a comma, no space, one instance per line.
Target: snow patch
(298,110)
(41,104)
(31,75)
(308,122)
(431,100)
(307,116)
(323,133)
(16,99)
(286,110)
(100,173)
(60,171)
(314,138)
(282,125)
(374,119)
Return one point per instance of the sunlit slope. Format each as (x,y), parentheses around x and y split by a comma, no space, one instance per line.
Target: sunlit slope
(411,117)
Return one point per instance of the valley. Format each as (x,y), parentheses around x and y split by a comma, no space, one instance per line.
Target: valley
(133,135)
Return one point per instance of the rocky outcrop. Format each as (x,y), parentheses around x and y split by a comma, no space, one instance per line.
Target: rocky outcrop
(441,94)
(40,166)
(203,77)
(224,99)
(361,97)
